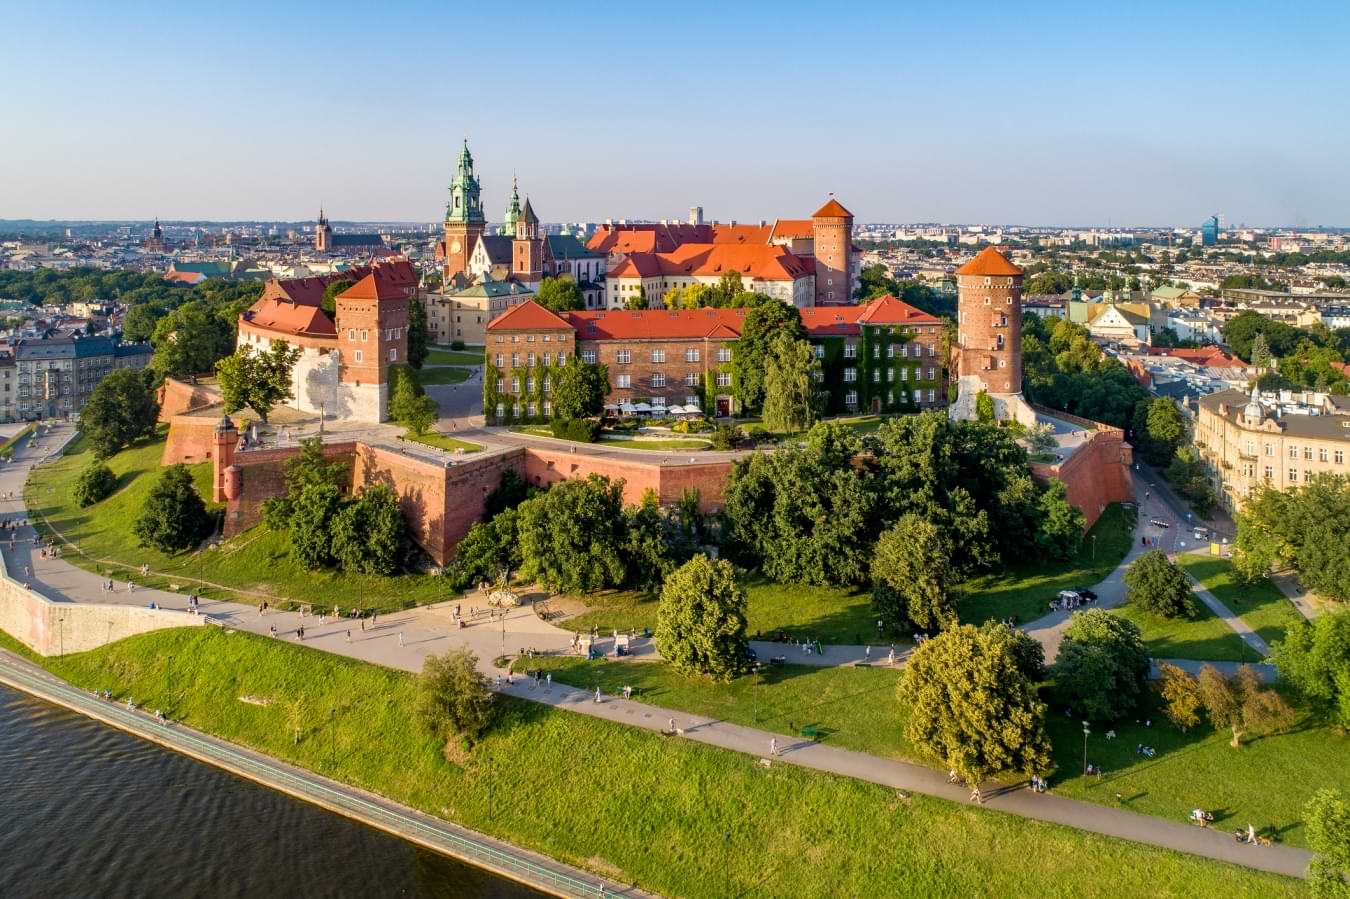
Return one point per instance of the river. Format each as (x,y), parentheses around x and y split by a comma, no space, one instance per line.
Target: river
(88,811)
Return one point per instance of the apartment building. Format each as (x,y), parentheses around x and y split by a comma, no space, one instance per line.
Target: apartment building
(53,377)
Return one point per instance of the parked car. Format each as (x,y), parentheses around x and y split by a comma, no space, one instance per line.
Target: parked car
(1158,523)
(1202,533)
(1085,593)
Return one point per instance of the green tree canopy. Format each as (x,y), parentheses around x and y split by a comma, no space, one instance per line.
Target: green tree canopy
(408,402)
(572,537)
(700,625)
(646,549)
(1327,819)
(173,518)
(751,354)
(369,533)
(912,561)
(790,376)
(1308,528)
(120,410)
(560,294)
(258,379)
(1314,656)
(95,483)
(417,332)
(330,294)
(579,389)
(972,707)
(1102,667)
(1159,586)
(189,341)
(1241,703)
(453,698)
(490,549)
(313,511)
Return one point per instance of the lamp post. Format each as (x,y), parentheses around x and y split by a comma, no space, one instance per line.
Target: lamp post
(168,679)
(1086,731)
(332,738)
(61,629)
(1094,547)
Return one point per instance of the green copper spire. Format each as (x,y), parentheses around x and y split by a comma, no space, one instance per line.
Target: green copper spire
(508,227)
(465,206)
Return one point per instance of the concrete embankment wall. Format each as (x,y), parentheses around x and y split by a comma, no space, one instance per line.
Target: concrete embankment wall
(49,628)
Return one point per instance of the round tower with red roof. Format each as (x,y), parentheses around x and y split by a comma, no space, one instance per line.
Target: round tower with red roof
(989,331)
(832,245)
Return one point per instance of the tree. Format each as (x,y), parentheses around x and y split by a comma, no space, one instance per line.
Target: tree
(368,533)
(972,707)
(751,353)
(1187,474)
(636,302)
(511,491)
(1158,429)
(913,562)
(189,341)
(173,518)
(1102,665)
(490,549)
(453,699)
(1307,528)
(1327,819)
(572,537)
(409,404)
(579,389)
(311,525)
(1241,704)
(1315,657)
(119,411)
(1059,530)
(417,332)
(330,294)
(257,379)
(138,324)
(1180,695)
(789,385)
(560,294)
(984,407)
(649,559)
(1260,353)
(1042,438)
(96,482)
(1157,585)
(700,625)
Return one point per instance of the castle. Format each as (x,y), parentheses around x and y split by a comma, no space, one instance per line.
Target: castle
(343,370)
(988,351)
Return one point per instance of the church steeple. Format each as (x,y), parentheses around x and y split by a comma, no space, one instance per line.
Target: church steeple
(465,205)
(508,227)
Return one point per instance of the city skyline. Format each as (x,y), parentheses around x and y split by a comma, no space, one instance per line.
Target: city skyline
(1058,116)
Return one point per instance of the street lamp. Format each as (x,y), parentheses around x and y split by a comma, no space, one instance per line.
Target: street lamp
(332,738)
(1086,731)
(1094,547)
(168,678)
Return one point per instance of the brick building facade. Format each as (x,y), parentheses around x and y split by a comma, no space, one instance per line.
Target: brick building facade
(883,357)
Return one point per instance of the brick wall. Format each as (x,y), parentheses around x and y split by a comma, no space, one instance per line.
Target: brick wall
(191,439)
(177,397)
(263,476)
(1097,475)
(547,466)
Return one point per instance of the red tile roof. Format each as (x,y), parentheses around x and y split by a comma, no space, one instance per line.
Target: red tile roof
(770,262)
(657,324)
(989,261)
(832,209)
(290,318)
(826,321)
(385,281)
(189,278)
(1207,356)
(528,316)
(790,228)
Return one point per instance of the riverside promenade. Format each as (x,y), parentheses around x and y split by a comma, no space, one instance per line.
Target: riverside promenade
(402,641)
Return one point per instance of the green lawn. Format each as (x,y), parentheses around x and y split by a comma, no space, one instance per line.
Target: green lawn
(1268,779)
(677,444)
(453,357)
(1024,592)
(672,816)
(257,561)
(827,614)
(442,441)
(1266,610)
(443,375)
(1206,638)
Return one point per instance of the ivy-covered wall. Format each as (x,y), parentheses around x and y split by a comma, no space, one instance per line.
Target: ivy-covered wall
(531,381)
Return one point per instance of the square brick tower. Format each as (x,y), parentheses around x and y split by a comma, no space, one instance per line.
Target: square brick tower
(464,219)
(989,332)
(372,335)
(832,233)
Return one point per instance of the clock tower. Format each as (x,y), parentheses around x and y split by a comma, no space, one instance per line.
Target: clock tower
(464,221)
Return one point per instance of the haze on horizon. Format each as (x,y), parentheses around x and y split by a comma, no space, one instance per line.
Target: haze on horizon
(1064,114)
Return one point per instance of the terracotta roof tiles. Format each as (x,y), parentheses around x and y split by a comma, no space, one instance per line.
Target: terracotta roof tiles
(832,209)
(989,261)
(529,316)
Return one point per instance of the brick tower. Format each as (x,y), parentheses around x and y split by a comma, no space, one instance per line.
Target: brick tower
(372,334)
(464,220)
(527,250)
(832,232)
(323,234)
(989,332)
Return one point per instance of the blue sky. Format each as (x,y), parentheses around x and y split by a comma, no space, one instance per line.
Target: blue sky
(1037,113)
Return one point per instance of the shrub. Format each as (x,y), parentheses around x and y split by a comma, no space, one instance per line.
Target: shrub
(580,430)
(174,518)
(453,697)
(96,482)
(725,437)
(1157,585)
(456,344)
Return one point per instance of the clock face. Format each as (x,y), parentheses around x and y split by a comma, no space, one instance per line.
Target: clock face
(454,246)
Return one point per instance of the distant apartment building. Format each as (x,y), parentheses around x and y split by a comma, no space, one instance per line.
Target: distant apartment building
(1276,440)
(53,377)
(880,357)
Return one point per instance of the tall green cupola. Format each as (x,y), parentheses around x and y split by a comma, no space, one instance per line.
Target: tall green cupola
(465,204)
(508,227)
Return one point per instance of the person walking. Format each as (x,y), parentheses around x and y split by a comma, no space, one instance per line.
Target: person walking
(773,746)
(349,635)
(548,680)
(400,638)
(273,630)
(597,694)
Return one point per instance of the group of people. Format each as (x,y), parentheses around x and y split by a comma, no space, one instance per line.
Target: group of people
(1147,752)
(1057,604)
(1038,784)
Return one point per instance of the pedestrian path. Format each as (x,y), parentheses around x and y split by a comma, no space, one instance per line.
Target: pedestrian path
(402,640)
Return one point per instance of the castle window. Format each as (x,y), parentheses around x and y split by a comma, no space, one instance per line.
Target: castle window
(851,398)
(932,396)
(359,356)
(820,351)
(351,334)
(724,379)
(850,351)
(364,335)
(393,354)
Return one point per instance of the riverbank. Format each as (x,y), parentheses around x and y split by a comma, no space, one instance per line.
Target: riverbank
(673,816)
(511,862)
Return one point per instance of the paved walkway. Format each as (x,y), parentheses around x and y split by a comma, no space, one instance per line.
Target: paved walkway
(402,640)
